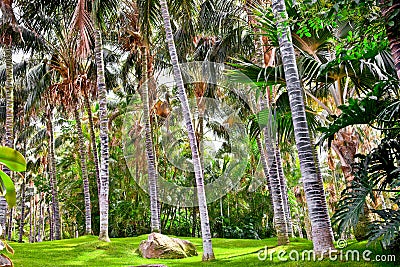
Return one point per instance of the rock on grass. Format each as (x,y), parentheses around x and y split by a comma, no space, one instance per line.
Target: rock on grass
(158,246)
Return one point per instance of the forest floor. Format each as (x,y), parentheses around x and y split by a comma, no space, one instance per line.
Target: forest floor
(88,251)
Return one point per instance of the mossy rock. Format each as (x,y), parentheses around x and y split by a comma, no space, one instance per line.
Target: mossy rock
(158,246)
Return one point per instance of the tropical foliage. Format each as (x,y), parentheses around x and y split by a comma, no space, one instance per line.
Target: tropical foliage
(314,84)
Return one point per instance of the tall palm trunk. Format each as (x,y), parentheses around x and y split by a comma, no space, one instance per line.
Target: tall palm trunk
(53,177)
(22,220)
(208,253)
(276,187)
(92,138)
(104,154)
(284,189)
(151,167)
(313,187)
(9,124)
(51,223)
(40,220)
(86,193)
(31,239)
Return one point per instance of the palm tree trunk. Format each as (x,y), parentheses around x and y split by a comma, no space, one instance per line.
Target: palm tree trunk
(51,223)
(104,171)
(9,117)
(264,163)
(208,253)
(92,138)
(53,177)
(39,227)
(314,191)
(276,191)
(284,189)
(86,193)
(151,169)
(22,220)
(31,220)
(9,124)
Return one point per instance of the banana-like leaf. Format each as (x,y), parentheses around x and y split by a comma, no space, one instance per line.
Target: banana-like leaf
(9,188)
(12,159)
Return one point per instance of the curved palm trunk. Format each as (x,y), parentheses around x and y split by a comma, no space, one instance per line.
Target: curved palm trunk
(313,187)
(9,124)
(104,154)
(284,189)
(53,177)
(86,193)
(155,223)
(92,138)
(208,253)
(276,188)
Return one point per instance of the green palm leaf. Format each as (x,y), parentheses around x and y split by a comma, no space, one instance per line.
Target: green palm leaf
(12,159)
(7,185)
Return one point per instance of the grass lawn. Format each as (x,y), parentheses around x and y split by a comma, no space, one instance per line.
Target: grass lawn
(88,251)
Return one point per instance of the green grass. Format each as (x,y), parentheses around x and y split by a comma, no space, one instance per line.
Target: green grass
(88,251)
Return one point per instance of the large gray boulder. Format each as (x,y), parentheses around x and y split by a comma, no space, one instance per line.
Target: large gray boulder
(158,246)
(5,261)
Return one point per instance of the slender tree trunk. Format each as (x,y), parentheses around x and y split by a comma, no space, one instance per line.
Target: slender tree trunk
(40,219)
(22,220)
(51,223)
(92,138)
(284,189)
(104,171)
(34,218)
(264,163)
(9,125)
(275,185)
(151,168)
(208,253)
(53,177)
(9,117)
(31,220)
(85,179)
(313,188)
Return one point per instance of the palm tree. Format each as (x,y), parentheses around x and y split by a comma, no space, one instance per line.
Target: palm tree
(155,222)
(9,18)
(208,253)
(104,149)
(86,193)
(53,173)
(313,185)
(89,24)
(92,136)
(136,40)
(275,183)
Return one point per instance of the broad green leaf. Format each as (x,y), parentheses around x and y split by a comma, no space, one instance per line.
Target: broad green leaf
(8,186)
(12,159)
